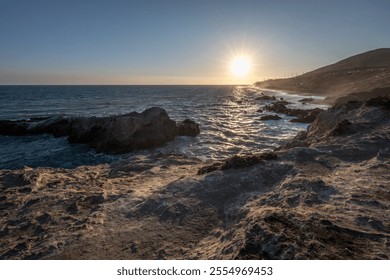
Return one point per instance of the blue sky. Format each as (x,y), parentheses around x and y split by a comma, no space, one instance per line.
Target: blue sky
(180,42)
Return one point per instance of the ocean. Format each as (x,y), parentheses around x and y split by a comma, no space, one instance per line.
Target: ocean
(227,115)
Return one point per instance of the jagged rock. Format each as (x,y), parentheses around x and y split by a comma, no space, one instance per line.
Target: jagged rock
(342,128)
(304,116)
(265,97)
(308,116)
(270,117)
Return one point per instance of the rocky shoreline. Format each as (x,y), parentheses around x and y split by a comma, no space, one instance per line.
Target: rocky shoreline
(324,195)
(115,134)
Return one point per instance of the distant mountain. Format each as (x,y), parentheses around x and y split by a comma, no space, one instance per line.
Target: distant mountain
(362,72)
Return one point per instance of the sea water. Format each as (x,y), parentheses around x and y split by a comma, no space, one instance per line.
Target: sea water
(227,115)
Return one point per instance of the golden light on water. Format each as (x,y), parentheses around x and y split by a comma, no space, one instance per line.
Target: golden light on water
(240,66)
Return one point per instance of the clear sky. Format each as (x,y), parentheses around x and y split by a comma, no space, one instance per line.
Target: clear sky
(180,42)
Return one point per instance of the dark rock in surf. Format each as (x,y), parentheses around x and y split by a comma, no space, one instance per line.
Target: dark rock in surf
(56,125)
(307,116)
(266,98)
(304,116)
(125,133)
(188,128)
(270,117)
(305,100)
(115,134)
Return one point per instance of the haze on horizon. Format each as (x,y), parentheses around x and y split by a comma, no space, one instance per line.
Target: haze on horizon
(179,41)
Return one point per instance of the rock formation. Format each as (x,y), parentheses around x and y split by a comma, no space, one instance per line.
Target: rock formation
(270,117)
(303,116)
(115,134)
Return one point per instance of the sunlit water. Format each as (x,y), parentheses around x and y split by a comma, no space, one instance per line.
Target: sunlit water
(227,115)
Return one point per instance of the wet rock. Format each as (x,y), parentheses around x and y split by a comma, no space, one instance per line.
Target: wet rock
(308,116)
(115,134)
(121,134)
(266,98)
(305,100)
(188,128)
(270,117)
(304,116)
(57,125)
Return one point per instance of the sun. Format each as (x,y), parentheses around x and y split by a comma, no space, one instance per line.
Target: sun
(240,66)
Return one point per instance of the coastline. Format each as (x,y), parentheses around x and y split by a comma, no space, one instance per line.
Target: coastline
(324,196)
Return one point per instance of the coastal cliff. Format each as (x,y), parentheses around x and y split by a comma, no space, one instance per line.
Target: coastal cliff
(324,195)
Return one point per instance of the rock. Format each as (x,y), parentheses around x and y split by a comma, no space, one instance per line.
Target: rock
(304,116)
(188,128)
(72,208)
(342,128)
(259,111)
(97,199)
(125,133)
(304,100)
(270,117)
(237,161)
(56,125)
(115,134)
(308,116)
(265,97)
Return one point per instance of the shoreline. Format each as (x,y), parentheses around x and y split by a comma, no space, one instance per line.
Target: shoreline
(328,185)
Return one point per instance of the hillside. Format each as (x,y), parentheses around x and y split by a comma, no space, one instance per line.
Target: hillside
(362,72)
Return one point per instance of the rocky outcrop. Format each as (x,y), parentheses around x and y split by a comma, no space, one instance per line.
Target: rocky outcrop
(270,117)
(303,116)
(237,161)
(115,134)
(266,98)
(121,134)
(57,125)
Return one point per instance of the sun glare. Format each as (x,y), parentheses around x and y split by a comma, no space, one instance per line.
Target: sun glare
(240,66)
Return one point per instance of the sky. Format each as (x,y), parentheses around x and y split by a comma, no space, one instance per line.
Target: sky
(180,41)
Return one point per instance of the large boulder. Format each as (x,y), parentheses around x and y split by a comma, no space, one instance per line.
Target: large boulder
(120,134)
